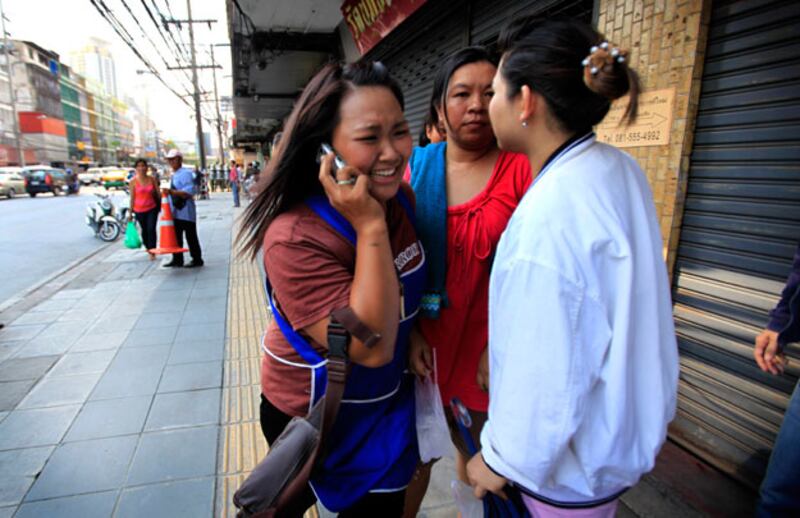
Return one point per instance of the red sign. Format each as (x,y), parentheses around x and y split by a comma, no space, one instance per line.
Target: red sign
(371,20)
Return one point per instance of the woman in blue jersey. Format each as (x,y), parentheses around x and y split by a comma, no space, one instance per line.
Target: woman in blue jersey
(337,236)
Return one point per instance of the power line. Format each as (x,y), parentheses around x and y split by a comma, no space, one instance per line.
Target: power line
(182,44)
(133,48)
(179,55)
(147,36)
(169,31)
(152,43)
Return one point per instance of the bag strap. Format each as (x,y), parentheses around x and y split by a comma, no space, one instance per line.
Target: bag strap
(332,217)
(337,377)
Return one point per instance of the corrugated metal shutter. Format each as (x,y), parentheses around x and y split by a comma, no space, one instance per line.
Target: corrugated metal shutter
(416,50)
(740,228)
(489,18)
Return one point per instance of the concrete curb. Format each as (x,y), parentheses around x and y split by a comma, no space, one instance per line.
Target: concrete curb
(22,294)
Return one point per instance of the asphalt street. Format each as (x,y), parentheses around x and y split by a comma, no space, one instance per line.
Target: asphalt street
(39,236)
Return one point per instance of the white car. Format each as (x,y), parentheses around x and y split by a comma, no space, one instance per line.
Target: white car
(90,176)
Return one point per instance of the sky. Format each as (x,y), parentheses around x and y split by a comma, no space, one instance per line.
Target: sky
(64,25)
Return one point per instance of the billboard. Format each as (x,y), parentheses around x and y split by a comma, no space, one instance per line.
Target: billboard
(370,21)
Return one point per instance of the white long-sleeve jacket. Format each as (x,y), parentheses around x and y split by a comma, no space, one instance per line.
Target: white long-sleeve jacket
(583,356)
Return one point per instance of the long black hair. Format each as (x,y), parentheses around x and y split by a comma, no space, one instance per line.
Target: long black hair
(441,82)
(292,174)
(547,56)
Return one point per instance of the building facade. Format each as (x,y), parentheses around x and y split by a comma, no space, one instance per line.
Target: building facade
(9,152)
(38,100)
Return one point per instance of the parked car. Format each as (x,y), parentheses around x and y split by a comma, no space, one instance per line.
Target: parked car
(115,177)
(91,176)
(42,178)
(12,182)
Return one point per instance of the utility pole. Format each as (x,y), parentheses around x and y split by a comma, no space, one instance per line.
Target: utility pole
(196,94)
(220,152)
(201,145)
(11,95)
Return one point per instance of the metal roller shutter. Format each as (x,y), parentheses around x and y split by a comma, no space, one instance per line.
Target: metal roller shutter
(489,18)
(415,51)
(740,227)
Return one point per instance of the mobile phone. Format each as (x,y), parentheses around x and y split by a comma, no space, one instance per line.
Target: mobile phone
(338,162)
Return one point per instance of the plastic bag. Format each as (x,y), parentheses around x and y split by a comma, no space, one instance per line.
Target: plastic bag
(464,496)
(132,239)
(433,435)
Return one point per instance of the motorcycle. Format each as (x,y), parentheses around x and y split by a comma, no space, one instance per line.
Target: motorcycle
(102,218)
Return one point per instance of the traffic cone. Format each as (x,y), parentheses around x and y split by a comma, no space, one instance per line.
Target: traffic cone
(166,232)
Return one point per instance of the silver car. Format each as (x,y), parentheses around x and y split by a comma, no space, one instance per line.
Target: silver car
(12,182)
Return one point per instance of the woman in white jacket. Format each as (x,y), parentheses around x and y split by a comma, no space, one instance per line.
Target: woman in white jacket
(583,359)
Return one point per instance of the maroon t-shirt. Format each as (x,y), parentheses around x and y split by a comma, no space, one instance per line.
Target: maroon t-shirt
(310,266)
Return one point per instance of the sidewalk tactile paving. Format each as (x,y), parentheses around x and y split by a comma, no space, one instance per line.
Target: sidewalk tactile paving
(242,444)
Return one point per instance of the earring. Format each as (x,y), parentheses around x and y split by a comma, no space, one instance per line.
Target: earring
(524,124)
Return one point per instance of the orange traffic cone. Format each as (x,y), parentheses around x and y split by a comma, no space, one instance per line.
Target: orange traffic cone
(166,227)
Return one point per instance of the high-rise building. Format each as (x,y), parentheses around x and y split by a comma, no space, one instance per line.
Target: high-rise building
(96,62)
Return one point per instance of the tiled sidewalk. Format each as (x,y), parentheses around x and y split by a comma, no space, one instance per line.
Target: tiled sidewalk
(128,390)
(242,444)
(110,389)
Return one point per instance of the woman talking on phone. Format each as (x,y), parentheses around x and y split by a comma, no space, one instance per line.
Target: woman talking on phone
(376,270)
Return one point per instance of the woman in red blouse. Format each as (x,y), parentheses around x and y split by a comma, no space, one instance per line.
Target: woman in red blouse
(466,191)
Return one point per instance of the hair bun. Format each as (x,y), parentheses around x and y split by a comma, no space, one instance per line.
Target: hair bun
(605,71)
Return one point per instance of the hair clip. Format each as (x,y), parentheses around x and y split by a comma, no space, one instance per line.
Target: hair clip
(602,55)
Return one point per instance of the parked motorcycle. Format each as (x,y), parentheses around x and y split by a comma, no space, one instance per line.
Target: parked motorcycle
(124,209)
(101,217)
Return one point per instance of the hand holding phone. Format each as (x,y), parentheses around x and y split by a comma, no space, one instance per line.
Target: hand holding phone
(348,191)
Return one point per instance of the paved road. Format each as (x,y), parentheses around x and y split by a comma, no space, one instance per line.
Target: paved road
(39,236)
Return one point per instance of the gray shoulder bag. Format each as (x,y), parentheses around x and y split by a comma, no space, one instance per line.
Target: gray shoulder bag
(282,476)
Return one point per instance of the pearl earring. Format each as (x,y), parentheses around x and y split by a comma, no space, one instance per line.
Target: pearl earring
(524,124)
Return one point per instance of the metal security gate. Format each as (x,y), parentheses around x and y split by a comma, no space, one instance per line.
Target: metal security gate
(740,228)
(414,53)
(489,17)
(416,50)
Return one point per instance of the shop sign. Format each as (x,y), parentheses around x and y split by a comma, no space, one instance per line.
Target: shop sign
(371,20)
(653,125)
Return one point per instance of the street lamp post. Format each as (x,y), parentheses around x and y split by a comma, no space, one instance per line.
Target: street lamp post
(12,96)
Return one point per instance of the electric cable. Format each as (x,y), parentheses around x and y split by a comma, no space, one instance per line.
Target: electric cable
(136,51)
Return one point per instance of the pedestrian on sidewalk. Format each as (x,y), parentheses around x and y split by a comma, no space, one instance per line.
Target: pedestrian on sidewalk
(780,491)
(583,361)
(343,239)
(145,204)
(466,190)
(233,178)
(217,181)
(181,195)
